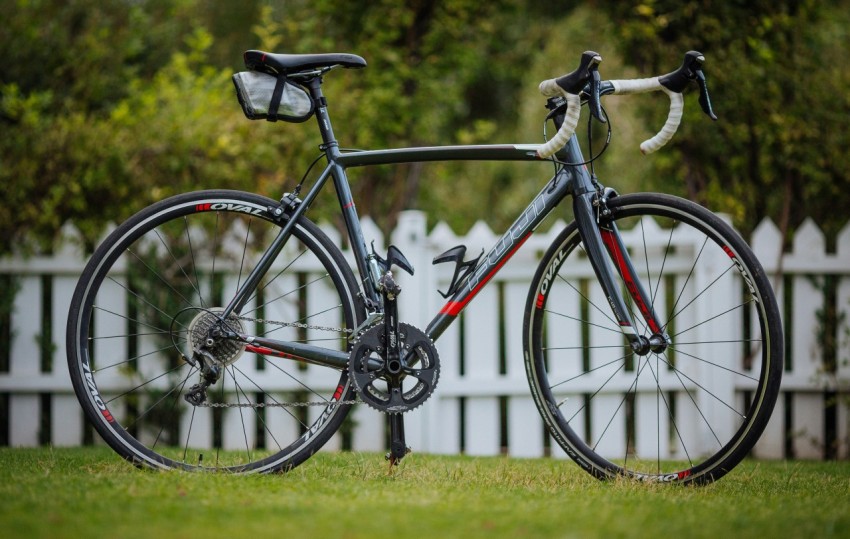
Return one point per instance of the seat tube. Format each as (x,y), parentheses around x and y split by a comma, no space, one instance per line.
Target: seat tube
(343,190)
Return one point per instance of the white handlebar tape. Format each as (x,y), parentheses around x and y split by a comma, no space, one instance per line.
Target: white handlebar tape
(550,88)
(677,103)
(636,86)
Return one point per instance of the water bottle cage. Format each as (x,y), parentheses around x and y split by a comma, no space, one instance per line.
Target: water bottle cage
(462,269)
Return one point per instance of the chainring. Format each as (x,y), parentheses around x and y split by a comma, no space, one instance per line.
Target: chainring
(420,369)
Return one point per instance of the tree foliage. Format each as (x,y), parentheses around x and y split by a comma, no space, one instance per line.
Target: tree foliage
(778,76)
(108,105)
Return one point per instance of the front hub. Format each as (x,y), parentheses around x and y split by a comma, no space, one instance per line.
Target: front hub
(656,343)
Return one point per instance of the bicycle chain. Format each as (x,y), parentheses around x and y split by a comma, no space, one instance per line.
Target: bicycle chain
(298,325)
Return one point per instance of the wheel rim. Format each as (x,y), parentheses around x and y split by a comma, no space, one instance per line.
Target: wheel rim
(659,416)
(165,278)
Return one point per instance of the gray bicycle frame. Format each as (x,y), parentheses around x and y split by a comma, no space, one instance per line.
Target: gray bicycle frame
(572,180)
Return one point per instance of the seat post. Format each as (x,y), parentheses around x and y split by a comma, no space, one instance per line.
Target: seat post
(328,138)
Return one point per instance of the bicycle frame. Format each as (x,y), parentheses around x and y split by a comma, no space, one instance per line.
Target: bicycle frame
(568,180)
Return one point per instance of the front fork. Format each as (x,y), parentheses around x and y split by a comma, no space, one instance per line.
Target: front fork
(602,242)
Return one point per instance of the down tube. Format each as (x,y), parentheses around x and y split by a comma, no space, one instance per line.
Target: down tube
(510,242)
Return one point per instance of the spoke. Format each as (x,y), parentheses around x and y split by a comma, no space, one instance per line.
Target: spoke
(189,434)
(715,317)
(214,254)
(239,390)
(244,250)
(194,263)
(585,373)
(638,315)
(179,264)
(631,389)
(278,274)
(711,284)
(608,425)
(733,371)
(663,261)
(314,315)
(715,397)
(136,320)
(673,312)
(621,367)
(259,417)
(126,335)
(697,407)
(304,286)
(143,384)
(605,314)
(126,361)
(732,341)
(171,410)
(294,379)
(660,394)
(158,276)
(599,347)
(218,447)
(180,384)
(568,317)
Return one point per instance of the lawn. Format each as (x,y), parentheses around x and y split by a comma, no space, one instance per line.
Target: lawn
(92,493)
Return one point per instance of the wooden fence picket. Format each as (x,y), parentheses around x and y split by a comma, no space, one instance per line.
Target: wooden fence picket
(482,404)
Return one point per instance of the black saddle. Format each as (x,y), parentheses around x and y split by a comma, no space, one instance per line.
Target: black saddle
(276,64)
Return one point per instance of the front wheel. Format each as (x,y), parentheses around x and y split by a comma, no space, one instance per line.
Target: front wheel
(150,295)
(685,413)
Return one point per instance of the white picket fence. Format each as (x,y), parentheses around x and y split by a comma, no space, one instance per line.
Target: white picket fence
(486,409)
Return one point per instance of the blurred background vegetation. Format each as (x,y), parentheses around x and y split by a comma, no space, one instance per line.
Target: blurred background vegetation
(109,105)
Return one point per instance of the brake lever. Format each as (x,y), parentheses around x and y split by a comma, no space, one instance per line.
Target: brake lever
(691,69)
(704,100)
(593,99)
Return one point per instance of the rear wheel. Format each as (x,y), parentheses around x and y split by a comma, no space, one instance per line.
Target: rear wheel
(151,292)
(688,412)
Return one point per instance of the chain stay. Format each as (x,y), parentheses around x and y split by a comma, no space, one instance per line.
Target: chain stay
(272,405)
(282,404)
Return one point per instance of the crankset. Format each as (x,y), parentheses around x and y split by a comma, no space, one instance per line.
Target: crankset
(394,385)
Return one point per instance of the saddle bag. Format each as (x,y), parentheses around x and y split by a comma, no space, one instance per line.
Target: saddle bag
(272,98)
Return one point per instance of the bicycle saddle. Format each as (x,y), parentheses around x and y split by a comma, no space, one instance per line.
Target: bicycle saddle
(275,64)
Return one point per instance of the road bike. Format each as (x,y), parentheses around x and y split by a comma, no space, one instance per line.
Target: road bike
(222,308)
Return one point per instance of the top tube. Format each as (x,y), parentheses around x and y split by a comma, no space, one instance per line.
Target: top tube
(493,152)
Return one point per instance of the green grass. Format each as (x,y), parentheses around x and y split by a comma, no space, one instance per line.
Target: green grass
(92,493)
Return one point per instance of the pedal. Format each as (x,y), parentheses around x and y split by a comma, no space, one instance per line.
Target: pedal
(462,269)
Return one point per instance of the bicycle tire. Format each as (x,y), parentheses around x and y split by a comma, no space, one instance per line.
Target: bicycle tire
(158,276)
(688,414)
